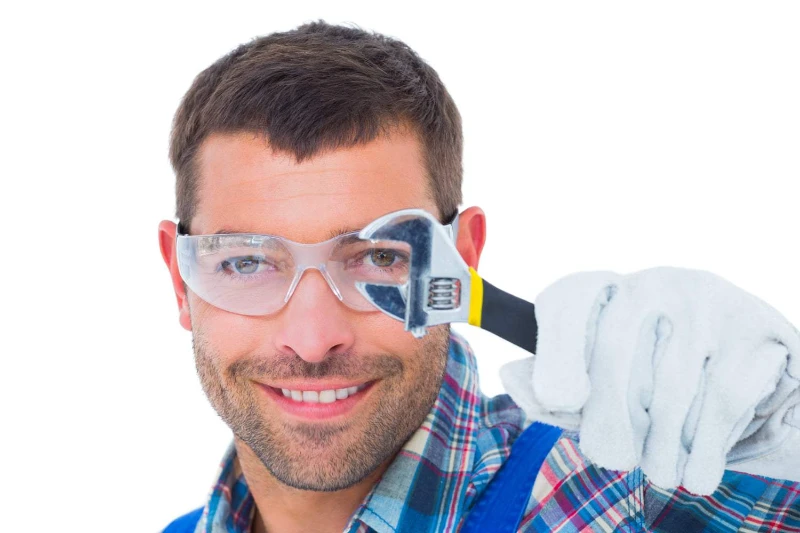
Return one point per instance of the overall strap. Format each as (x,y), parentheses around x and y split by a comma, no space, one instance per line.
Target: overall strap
(503,503)
(186,523)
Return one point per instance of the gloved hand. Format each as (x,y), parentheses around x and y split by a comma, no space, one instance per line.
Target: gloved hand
(677,371)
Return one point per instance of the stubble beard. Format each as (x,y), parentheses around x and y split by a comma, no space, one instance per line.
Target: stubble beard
(326,456)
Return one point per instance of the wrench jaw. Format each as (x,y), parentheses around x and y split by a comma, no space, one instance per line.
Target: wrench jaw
(438,286)
(388,298)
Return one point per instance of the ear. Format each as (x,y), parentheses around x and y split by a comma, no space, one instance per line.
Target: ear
(166,241)
(471,235)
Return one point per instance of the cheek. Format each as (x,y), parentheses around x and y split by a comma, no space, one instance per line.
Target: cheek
(230,336)
(423,359)
(379,333)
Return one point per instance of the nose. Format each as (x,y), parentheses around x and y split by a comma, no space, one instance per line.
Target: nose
(314,322)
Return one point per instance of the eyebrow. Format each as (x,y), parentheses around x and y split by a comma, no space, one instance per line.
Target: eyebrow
(334,233)
(226,231)
(341,231)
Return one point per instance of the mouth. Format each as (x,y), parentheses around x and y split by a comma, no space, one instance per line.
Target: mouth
(322,396)
(318,401)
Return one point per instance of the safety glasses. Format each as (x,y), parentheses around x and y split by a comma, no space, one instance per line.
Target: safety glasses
(253,274)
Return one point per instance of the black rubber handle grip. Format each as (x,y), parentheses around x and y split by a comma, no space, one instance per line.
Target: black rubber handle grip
(509,317)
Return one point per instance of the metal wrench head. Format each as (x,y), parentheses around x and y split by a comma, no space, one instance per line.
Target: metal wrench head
(438,284)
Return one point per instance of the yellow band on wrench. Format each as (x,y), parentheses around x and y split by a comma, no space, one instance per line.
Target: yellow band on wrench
(475,298)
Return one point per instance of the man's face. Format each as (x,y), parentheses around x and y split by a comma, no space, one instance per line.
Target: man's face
(315,343)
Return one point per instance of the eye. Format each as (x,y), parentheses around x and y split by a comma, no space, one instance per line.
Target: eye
(243,265)
(382,258)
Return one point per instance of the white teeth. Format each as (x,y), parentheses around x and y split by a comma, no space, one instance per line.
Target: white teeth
(325,396)
(310,396)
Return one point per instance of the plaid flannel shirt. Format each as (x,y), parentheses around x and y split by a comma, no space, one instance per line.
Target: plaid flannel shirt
(445,466)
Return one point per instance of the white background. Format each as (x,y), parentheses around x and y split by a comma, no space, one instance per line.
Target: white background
(600,135)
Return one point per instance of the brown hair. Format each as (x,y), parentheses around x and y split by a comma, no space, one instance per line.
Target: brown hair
(320,87)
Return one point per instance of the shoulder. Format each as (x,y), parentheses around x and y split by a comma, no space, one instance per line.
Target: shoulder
(185,523)
(572,493)
(748,501)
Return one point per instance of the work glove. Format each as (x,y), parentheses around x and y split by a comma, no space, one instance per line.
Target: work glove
(676,371)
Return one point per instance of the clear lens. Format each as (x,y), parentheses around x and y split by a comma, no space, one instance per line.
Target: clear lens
(381,263)
(253,274)
(245,274)
(376,262)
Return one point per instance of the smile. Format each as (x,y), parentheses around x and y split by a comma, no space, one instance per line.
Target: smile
(323,396)
(312,401)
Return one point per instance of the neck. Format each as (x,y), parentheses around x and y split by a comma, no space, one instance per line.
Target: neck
(284,509)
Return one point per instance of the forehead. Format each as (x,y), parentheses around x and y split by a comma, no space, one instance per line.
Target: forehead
(245,186)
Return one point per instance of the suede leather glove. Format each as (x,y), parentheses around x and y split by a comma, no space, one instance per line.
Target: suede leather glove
(676,371)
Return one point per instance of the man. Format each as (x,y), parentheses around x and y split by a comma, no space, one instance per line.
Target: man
(342,420)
